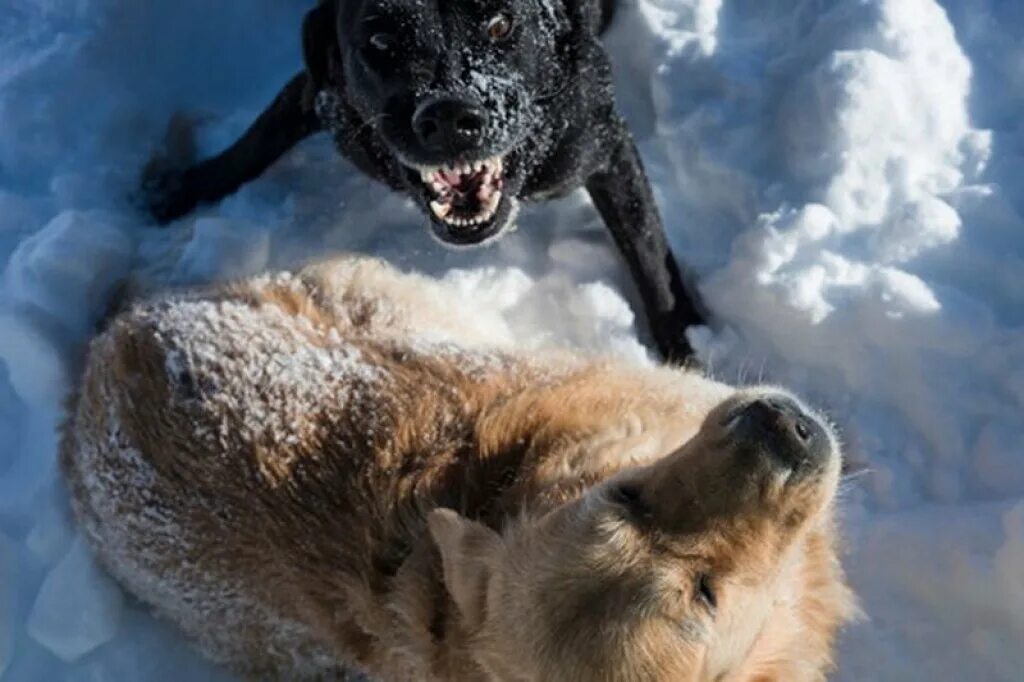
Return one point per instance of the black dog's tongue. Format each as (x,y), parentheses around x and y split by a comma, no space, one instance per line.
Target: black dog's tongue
(462,183)
(463,188)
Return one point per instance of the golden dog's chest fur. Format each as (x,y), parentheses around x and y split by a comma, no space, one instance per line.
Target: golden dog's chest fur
(258,462)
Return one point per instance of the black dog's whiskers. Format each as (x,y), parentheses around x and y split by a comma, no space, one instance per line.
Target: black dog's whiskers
(559,91)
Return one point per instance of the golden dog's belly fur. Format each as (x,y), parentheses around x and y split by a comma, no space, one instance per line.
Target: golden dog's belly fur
(257,461)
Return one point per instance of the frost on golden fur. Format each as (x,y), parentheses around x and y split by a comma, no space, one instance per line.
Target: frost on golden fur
(339,470)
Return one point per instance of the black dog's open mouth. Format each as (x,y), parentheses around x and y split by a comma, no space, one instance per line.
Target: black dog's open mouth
(466,195)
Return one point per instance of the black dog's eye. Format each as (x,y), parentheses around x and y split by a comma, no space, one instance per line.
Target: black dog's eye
(381,42)
(499,27)
(705,592)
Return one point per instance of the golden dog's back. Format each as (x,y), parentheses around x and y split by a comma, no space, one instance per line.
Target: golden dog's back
(266,369)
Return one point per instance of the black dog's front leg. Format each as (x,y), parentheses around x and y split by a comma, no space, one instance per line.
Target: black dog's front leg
(623,197)
(170,193)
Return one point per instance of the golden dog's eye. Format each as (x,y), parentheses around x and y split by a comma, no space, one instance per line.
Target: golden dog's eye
(499,27)
(706,593)
(630,498)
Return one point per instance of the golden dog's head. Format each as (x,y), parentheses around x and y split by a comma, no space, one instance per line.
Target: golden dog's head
(716,562)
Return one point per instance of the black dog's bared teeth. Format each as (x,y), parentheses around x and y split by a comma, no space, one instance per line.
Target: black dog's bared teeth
(465,194)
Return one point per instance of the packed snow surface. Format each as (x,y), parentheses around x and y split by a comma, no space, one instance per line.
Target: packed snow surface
(846,178)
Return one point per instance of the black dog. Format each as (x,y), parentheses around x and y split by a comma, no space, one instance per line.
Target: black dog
(469,106)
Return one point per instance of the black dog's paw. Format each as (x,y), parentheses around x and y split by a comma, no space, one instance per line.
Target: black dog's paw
(678,352)
(167,188)
(165,193)
(670,338)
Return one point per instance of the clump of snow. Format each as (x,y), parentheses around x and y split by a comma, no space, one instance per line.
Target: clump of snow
(844,176)
(551,310)
(55,285)
(222,248)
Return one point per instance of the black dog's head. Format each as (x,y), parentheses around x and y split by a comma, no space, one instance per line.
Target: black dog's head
(458,93)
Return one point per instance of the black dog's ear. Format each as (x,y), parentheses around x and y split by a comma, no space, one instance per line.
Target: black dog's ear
(320,41)
(608,8)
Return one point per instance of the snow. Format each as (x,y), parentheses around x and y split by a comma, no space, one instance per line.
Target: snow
(7,612)
(78,607)
(219,249)
(846,178)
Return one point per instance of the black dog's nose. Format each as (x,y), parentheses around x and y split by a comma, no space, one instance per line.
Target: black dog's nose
(449,125)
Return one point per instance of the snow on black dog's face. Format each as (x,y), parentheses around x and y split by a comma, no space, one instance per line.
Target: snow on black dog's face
(455,92)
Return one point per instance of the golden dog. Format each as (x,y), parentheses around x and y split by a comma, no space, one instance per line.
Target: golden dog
(336,471)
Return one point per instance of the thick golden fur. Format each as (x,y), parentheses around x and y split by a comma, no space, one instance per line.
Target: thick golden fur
(337,470)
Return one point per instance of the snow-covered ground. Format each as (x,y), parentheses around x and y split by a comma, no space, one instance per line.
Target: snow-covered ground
(846,176)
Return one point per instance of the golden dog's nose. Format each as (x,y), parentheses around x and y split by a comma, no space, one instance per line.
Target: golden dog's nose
(781,426)
(780,413)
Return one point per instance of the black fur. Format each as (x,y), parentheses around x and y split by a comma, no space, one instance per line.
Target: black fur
(402,85)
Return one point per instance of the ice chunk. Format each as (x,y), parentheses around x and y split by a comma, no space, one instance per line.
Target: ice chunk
(78,608)
(34,364)
(31,466)
(68,269)
(51,533)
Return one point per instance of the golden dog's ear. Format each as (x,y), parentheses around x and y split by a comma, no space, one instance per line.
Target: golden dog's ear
(320,41)
(468,552)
